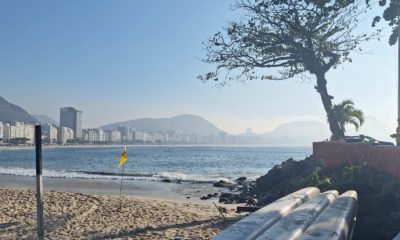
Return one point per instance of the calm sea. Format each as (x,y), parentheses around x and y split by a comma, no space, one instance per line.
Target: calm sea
(201,164)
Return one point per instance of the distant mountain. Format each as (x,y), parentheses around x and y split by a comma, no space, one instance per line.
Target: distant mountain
(304,133)
(187,124)
(297,133)
(12,112)
(43,119)
(375,128)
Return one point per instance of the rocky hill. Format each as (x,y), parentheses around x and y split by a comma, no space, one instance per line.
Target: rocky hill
(297,133)
(44,119)
(187,124)
(12,112)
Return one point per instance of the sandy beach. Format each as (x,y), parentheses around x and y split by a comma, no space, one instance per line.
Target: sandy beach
(71,215)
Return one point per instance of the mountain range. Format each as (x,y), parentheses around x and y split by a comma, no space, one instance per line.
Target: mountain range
(292,133)
(186,124)
(301,133)
(297,133)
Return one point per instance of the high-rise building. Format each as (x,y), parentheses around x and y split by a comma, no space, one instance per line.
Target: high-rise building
(6,131)
(64,134)
(50,132)
(71,118)
(1,131)
(125,137)
(113,136)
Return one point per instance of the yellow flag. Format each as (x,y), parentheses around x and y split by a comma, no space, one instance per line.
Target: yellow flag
(123,158)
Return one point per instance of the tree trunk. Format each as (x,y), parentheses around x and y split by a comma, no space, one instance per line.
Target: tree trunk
(336,130)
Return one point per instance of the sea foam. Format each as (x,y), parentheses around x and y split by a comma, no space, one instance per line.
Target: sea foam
(174,176)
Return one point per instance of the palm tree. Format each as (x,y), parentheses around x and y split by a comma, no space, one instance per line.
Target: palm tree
(347,114)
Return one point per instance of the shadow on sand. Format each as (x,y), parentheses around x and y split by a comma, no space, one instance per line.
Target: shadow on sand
(216,222)
(28,229)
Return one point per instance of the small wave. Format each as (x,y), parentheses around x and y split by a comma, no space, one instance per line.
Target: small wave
(115,174)
(175,177)
(182,177)
(30,172)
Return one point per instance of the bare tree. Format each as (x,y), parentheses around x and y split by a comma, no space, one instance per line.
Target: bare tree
(296,37)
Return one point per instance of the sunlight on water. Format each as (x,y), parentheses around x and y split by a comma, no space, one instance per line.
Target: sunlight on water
(191,164)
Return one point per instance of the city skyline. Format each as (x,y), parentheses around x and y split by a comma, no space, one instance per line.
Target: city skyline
(125,60)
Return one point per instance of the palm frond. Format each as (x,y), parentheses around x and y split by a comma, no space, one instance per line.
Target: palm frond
(355,123)
(346,114)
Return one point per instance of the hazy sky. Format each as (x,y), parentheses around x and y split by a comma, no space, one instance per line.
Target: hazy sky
(120,60)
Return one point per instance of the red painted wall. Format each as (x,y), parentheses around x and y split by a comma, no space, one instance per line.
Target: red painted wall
(334,154)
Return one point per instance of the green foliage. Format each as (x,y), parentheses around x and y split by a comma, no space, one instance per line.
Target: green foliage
(346,114)
(319,180)
(293,36)
(391,14)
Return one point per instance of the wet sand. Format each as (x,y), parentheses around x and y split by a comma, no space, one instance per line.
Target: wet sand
(173,191)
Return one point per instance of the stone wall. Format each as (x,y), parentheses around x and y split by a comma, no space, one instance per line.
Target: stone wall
(334,154)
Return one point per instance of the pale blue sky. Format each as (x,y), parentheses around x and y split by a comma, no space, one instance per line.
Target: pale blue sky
(120,60)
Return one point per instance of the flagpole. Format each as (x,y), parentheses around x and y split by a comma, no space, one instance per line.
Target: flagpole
(120,187)
(39,182)
(122,163)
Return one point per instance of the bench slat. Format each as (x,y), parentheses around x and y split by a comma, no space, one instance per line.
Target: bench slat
(296,222)
(253,225)
(335,221)
(397,237)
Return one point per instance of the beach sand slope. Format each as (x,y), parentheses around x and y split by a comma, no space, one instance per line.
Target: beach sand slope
(85,216)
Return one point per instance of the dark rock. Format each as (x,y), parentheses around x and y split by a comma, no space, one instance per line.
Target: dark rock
(232,198)
(240,209)
(209,196)
(223,184)
(166,180)
(227,195)
(240,179)
(283,179)
(251,202)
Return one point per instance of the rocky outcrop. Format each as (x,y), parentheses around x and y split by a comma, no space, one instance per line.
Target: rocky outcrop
(379,193)
(283,179)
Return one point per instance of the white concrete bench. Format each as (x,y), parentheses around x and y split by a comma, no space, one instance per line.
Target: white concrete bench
(305,214)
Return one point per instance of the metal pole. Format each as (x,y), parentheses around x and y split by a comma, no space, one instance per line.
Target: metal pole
(120,187)
(39,182)
(398,78)
(397,134)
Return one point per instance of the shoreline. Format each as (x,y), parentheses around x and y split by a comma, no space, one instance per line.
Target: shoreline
(137,188)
